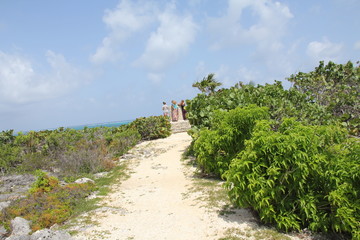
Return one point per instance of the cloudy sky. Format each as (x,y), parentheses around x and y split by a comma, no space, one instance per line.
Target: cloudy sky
(65,63)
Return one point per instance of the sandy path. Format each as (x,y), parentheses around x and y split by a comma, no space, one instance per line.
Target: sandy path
(151,204)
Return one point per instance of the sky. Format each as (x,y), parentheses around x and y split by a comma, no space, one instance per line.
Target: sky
(66,63)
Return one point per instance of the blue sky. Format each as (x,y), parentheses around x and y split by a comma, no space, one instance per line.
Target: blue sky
(65,63)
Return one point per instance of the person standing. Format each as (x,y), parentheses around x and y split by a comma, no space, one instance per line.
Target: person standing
(182,108)
(174,111)
(165,109)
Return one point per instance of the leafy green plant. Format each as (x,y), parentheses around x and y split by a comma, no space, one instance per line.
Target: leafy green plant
(120,142)
(47,209)
(152,127)
(208,84)
(215,148)
(281,103)
(66,151)
(299,176)
(7,137)
(9,157)
(43,183)
(337,88)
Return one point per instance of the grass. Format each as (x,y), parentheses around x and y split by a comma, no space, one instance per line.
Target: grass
(253,234)
(85,206)
(213,195)
(210,193)
(118,173)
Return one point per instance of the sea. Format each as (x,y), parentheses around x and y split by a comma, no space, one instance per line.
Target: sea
(105,124)
(90,125)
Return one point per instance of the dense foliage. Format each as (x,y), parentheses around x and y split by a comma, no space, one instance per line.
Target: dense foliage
(152,127)
(281,102)
(299,176)
(295,163)
(215,148)
(337,88)
(70,152)
(66,151)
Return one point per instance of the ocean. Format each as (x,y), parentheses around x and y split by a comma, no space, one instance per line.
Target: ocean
(105,124)
(90,125)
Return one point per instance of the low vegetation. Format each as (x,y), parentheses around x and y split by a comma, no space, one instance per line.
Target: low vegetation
(47,203)
(72,153)
(152,127)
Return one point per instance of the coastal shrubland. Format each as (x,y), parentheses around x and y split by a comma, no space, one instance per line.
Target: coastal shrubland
(65,154)
(68,152)
(291,155)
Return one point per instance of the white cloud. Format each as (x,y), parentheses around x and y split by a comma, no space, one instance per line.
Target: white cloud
(228,77)
(165,45)
(269,26)
(223,75)
(171,40)
(259,23)
(200,70)
(247,75)
(20,83)
(357,45)
(194,3)
(126,19)
(324,50)
(155,77)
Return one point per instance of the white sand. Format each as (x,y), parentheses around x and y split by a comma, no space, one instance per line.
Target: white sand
(152,201)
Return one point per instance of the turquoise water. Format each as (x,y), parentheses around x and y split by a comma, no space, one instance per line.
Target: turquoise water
(106,124)
(90,125)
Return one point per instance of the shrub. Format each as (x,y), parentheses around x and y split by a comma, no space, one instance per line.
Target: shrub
(70,152)
(7,137)
(299,176)
(43,183)
(9,157)
(47,203)
(121,142)
(215,148)
(336,87)
(281,103)
(152,127)
(86,156)
(9,152)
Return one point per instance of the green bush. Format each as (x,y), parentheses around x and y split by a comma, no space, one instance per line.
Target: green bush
(70,152)
(48,203)
(280,102)
(215,148)
(122,141)
(7,137)
(9,157)
(336,87)
(299,176)
(152,127)
(43,183)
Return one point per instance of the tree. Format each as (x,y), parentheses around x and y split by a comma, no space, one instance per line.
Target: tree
(208,84)
(336,87)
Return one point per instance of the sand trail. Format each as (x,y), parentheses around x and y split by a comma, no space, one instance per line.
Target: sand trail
(156,201)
